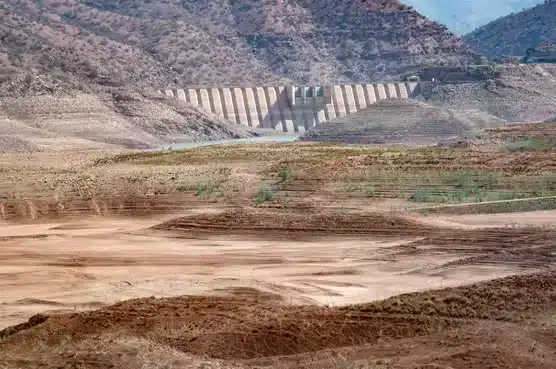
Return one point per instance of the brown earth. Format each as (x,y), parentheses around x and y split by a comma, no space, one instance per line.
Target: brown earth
(278,256)
(295,176)
(267,276)
(312,221)
(494,139)
(16,144)
(452,328)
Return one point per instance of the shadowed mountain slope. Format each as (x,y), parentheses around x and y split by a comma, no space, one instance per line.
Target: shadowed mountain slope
(515,33)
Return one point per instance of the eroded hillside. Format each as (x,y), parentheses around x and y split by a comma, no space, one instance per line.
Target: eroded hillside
(148,43)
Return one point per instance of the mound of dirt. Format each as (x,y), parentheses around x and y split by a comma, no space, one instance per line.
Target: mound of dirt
(406,122)
(520,93)
(71,119)
(250,331)
(508,299)
(265,222)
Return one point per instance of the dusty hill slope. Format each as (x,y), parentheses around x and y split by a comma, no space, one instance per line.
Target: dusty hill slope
(519,93)
(503,323)
(401,122)
(515,33)
(148,43)
(38,113)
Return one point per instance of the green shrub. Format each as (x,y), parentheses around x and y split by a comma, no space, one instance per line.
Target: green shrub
(422,195)
(284,175)
(370,192)
(200,189)
(502,196)
(264,194)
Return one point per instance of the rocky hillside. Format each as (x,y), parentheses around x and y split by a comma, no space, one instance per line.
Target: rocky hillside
(516,93)
(152,43)
(39,112)
(462,17)
(516,33)
(401,122)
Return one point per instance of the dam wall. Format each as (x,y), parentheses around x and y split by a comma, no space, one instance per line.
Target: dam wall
(290,108)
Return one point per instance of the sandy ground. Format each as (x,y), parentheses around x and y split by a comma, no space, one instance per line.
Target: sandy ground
(90,263)
(316,278)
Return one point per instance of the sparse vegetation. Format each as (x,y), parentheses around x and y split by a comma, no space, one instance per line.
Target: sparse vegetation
(334,172)
(133,43)
(370,192)
(299,223)
(200,189)
(464,186)
(357,194)
(492,207)
(531,144)
(285,174)
(516,33)
(264,194)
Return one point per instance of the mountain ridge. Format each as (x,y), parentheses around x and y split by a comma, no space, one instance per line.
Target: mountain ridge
(462,17)
(514,34)
(233,42)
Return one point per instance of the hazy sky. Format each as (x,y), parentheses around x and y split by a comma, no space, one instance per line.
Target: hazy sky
(463,16)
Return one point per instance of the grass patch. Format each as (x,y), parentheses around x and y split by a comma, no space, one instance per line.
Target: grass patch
(350,187)
(471,180)
(531,144)
(201,187)
(468,195)
(285,174)
(545,186)
(370,192)
(495,208)
(344,211)
(470,187)
(430,195)
(423,195)
(297,153)
(209,189)
(264,194)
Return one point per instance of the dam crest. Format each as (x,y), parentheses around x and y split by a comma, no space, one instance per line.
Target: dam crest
(290,108)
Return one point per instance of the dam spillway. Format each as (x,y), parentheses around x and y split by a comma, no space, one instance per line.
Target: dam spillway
(289,108)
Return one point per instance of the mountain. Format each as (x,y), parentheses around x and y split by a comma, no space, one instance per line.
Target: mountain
(154,43)
(516,33)
(464,16)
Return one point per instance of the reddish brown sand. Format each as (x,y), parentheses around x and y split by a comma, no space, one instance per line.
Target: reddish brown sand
(269,278)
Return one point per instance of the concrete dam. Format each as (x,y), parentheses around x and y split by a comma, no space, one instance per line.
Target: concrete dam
(290,108)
